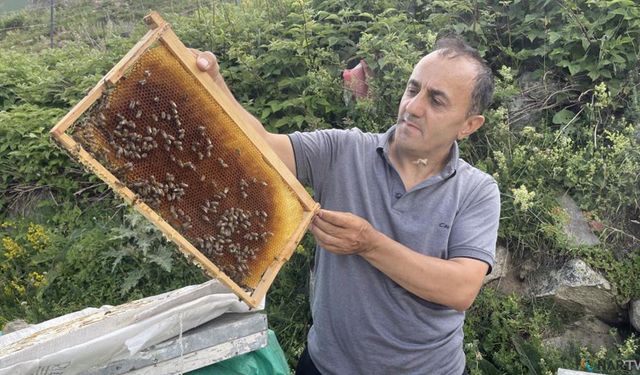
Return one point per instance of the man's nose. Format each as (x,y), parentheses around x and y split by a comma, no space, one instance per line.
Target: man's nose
(415,106)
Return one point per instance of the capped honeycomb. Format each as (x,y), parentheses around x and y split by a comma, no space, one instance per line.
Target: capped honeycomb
(164,137)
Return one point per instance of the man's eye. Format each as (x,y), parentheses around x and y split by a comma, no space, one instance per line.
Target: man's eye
(436,102)
(412,91)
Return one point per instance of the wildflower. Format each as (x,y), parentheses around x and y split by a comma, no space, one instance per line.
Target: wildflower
(7,224)
(37,279)
(17,287)
(506,73)
(11,248)
(523,197)
(37,237)
(602,96)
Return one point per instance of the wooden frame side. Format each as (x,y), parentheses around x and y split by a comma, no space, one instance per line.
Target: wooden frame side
(272,271)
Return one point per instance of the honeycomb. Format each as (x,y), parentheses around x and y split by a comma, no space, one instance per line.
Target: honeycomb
(162,135)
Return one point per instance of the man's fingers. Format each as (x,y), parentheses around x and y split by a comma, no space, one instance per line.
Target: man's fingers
(337,218)
(206,61)
(326,226)
(324,239)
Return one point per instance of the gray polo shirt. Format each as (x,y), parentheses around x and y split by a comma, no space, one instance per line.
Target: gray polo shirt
(363,322)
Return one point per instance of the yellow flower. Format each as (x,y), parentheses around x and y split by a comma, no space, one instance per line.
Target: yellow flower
(17,287)
(300,249)
(7,224)
(37,279)
(37,237)
(11,248)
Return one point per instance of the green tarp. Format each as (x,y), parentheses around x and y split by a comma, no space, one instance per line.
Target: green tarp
(269,360)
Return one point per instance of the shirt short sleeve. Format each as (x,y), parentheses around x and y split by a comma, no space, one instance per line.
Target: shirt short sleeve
(475,228)
(314,154)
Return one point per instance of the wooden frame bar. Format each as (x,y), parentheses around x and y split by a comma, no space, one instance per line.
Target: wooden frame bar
(161,32)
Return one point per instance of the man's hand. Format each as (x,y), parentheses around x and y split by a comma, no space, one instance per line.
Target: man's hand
(343,232)
(280,143)
(208,62)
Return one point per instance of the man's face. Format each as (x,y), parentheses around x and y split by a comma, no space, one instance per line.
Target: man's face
(433,111)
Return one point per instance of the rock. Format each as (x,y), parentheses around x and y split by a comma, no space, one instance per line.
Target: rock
(579,288)
(509,284)
(577,229)
(500,266)
(526,268)
(587,332)
(15,325)
(634,314)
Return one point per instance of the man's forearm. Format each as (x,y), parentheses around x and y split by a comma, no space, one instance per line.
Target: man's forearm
(453,283)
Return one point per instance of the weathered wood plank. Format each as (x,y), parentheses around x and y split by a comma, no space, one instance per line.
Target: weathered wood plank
(206,357)
(223,338)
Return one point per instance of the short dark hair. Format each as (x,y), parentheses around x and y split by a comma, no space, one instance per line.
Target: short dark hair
(482,94)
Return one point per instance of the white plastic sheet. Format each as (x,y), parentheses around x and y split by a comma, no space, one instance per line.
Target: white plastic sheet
(93,337)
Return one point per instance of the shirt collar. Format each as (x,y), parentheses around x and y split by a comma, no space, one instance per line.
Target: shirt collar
(449,170)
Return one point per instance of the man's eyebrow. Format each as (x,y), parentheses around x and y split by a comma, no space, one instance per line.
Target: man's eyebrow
(431,91)
(413,82)
(438,93)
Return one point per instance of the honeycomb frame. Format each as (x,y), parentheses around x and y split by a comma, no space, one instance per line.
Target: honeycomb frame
(161,37)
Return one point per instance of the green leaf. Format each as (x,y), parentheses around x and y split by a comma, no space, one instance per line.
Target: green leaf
(162,258)
(562,117)
(131,281)
(585,43)
(488,368)
(528,354)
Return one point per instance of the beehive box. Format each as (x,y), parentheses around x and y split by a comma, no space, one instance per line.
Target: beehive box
(164,137)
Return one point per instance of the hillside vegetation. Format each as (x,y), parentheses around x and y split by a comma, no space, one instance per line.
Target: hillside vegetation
(566,119)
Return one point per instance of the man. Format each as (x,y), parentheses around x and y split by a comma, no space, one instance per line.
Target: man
(407,231)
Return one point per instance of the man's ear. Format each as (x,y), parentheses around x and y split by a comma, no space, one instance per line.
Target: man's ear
(471,124)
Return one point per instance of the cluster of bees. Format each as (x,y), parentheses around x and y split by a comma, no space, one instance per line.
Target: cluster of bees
(173,164)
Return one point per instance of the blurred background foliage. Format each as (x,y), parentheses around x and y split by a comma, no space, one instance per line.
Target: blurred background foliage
(565,120)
